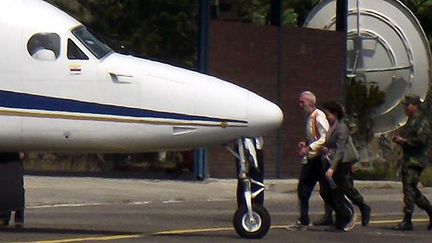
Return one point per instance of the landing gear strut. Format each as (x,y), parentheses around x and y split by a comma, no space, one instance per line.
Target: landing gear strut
(251,219)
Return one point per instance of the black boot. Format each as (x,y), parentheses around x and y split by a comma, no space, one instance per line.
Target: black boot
(406,224)
(365,215)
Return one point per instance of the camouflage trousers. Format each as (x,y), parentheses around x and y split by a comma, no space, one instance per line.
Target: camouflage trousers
(412,195)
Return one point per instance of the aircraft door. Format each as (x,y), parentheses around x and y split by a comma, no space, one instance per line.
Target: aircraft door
(57,70)
(56,66)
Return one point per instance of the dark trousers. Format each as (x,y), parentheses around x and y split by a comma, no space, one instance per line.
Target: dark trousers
(11,188)
(311,173)
(346,180)
(347,185)
(339,203)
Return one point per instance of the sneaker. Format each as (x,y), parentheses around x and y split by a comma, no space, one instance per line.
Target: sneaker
(324,220)
(350,225)
(297,226)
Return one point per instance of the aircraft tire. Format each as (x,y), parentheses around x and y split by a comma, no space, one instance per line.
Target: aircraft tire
(252,230)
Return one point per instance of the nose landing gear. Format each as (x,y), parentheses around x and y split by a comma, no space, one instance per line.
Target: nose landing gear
(251,219)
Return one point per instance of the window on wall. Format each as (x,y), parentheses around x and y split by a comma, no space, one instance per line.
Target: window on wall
(44,46)
(74,52)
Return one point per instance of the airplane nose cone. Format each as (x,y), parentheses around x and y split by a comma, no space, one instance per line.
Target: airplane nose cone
(263,115)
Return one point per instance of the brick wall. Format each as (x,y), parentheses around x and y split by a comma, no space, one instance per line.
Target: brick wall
(247,55)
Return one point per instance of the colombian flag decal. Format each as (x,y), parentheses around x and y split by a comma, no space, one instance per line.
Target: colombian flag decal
(75,69)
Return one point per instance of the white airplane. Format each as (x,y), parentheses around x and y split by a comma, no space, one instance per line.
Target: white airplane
(62,89)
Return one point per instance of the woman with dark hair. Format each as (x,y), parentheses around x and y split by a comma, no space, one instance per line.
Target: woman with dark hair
(341,155)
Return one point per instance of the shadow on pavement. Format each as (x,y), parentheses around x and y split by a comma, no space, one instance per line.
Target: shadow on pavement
(186,176)
(64,231)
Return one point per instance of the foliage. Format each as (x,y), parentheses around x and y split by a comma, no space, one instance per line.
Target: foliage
(294,12)
(161,30)
(361,99)
(380,171)
(422,9)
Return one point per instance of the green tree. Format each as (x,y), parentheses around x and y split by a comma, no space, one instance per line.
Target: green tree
(361,99)
(161,30)
(294,12)
(422,9)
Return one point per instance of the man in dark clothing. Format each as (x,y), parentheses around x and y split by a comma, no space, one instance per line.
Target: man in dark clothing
(413,139)
(309,150)
(12,189)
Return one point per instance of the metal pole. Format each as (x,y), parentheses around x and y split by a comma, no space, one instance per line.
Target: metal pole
(342,26)
(276,20)
(276,6)
(341,15)
(201,162)
(204,20)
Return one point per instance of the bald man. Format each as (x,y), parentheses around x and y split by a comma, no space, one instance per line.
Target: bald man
(312,171)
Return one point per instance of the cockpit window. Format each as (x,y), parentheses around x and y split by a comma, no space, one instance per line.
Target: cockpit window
(44,46)
(97,47)
(74,52)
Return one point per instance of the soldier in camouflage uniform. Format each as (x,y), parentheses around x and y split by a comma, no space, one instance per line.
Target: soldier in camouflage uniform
(413,140)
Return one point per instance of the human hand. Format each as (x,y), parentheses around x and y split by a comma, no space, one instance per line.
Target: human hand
(354,168)
(304,151)
(398,139)
(329,173)
(325,150)
(301,144)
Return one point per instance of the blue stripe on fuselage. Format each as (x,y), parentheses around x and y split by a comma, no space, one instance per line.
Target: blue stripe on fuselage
(11,99)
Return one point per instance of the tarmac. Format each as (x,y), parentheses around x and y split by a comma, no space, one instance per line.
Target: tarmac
(48,190)
(96,209)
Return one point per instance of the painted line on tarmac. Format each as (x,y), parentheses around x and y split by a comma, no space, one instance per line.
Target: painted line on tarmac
(209,230)
(173,201)
(187,231)
(218,200)
(87,239)
(394,221)
(191,231)
(64,205)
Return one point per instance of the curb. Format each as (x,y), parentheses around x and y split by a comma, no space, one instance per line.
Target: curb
(286,186)
(290,185)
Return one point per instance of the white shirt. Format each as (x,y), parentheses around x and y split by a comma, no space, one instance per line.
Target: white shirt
(317,127)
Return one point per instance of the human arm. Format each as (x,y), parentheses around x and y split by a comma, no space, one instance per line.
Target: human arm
(322,129)
(416,136)
(419,136)
(341,140)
